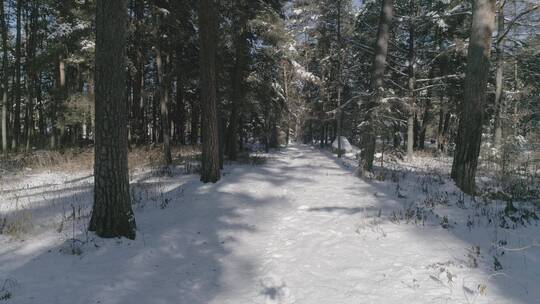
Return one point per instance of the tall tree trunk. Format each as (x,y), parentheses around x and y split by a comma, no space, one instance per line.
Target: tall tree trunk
(210,149)
(17,112)
(287,105)
(377,82)
(156,137)
(31,73)
(339,84)
(471,119)
(164,88)
(194,122)
(138,129)
(426,117)
(180,113)
(426,120)
(497,135)
(5,77)
(241,45)
(58,127)
(129,102)
(112,215)
(40,111)
(412,85)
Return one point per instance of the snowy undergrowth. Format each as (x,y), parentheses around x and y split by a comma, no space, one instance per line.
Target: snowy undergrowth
(502,233)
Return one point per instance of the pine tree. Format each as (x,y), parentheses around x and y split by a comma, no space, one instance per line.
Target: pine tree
(17,85)
(471,119)
(377,85)
(240,69)
(210,171)
(112,215)
(5,79)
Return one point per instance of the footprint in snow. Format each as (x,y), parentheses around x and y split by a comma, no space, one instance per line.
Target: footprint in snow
(275,291)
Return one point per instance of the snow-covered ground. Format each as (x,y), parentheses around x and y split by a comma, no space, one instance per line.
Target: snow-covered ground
(300,228)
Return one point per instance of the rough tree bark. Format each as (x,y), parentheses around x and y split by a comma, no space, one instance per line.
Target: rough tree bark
(138,126)
(339,84)
(287,104)
(112,215)
(379,65)
(194,121)
(17,85)
(497,134)
(180,113)
(164,87)
(32,76)
(472,113)
(5,78)
(412,86)
(241,45)
(210,148)
(426,116)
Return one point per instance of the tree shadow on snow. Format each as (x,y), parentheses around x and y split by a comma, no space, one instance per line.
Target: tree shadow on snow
(390,204)
(186,249)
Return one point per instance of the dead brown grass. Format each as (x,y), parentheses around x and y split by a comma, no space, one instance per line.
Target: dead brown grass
(77,159)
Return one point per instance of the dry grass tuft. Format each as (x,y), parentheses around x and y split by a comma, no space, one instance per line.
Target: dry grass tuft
(82,159)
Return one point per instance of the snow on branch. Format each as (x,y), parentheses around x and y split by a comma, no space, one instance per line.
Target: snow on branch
(303,74)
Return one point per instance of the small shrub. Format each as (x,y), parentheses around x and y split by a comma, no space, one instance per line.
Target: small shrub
(257,160)
(6,290)
(445,223)
(497,266)
(19,224)
(511,216)
(473,255)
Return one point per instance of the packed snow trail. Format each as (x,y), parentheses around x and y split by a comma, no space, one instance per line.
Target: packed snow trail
(299,229)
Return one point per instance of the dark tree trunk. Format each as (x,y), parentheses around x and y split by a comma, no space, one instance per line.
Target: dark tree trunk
(416,132)
(222,127)
(287,103)
(472,112)
(443,128)
(60,97)
(240,69)
(31,74)
(379,66)
(426,120)
(210,148)
(5,77)
(112,215)
(129,102)
(164,88)
(41,113)
(411,121)
(396,136)
(156,137)
(180,113)
(195,114)
(426,117)
(497,134)
(339,81)
(138,129)
(17,86)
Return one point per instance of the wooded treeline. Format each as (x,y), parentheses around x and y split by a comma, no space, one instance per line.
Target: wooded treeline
(411,75)
(49,68)
(397,74)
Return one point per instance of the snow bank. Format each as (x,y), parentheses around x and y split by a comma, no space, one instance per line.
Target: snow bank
(345,145)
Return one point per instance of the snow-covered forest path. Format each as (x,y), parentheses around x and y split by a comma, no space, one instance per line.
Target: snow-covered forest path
(300,228)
